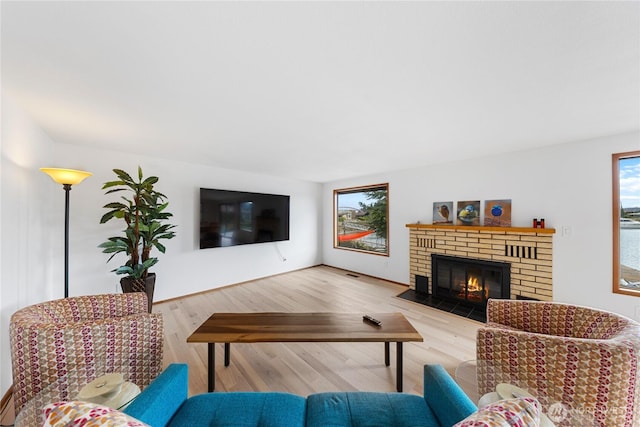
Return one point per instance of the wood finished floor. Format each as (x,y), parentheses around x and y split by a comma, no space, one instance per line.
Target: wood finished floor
(306,368)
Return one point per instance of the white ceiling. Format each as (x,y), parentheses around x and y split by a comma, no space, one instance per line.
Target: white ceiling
(323,90)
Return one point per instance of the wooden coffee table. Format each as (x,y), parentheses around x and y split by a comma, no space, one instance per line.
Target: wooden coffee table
(230,328)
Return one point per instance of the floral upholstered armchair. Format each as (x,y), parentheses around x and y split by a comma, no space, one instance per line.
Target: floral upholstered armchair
(581,363)
(67,343)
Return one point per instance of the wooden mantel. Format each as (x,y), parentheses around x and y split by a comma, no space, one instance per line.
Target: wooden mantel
(484,228)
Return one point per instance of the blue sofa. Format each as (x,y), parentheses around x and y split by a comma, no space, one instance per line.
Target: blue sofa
(165,403)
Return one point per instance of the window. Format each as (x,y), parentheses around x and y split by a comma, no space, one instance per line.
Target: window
(228,226)
(246,216)
(361,219)
(626,223)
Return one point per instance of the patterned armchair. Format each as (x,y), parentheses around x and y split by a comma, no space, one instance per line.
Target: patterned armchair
(67,343)
(581,363)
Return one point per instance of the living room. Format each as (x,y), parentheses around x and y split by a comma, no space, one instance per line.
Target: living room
(564,177)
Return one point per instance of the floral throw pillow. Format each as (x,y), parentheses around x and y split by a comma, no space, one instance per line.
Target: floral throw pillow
(521,412)
(84,414)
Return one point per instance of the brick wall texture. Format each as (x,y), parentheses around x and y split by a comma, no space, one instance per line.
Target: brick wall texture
(530,254)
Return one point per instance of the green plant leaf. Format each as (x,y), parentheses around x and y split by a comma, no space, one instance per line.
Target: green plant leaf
(143,211)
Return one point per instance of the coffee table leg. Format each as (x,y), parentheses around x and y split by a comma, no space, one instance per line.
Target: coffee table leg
(386,354)
(399,366)
(227,353)
(212,366)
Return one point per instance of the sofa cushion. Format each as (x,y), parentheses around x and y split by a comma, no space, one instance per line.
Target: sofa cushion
(76,413)
(241,409)
(520,412)
(361,409)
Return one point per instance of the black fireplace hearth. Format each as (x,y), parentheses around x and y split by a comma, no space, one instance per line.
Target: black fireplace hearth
(462,286)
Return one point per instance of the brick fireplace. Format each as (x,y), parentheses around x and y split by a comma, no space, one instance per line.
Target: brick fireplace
(528,251)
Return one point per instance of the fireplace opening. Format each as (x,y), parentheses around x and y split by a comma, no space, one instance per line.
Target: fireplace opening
(469,281)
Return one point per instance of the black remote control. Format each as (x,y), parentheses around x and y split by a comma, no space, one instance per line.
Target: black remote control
(370,319)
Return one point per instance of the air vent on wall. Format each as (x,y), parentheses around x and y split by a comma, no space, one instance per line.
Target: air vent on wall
(426,243)
(529,252)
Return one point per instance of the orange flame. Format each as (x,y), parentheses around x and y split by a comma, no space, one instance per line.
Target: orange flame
(474,290)
(472,285)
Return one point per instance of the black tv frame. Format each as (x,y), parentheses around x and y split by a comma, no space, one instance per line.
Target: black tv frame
(232,218)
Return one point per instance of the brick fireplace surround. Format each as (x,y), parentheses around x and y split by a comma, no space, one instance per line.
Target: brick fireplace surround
(528,250)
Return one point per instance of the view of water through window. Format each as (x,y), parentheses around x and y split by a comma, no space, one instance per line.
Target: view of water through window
(629,226)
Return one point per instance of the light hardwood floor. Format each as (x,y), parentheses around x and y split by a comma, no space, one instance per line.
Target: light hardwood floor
(305,368)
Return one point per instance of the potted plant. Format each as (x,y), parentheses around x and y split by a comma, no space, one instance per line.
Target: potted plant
(143,210)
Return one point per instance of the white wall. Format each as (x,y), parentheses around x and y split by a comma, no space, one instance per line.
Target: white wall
(569,185)
(26,195)
(32,220)
(184,268)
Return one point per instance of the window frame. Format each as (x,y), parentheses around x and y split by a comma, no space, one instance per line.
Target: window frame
(617,207)
(337,217)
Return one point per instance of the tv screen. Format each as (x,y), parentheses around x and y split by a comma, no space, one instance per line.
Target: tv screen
(229,218)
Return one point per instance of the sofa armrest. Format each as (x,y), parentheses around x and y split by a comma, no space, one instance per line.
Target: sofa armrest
(91,307)
(553,318)
(445,398)
(157,403)
(73,354)
(524,358)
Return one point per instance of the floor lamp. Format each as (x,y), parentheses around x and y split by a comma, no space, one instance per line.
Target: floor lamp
(66,177)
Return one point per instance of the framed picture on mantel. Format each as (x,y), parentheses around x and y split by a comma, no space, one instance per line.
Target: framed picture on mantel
(468,212)
(497,213)
(443,212)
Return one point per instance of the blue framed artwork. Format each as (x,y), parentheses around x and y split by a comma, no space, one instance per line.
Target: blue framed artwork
(497,213)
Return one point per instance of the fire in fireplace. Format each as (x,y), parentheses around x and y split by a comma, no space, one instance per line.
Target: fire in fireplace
(474,291)
(469,281)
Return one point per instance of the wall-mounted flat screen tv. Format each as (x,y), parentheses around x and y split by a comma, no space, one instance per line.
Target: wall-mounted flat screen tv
(229,218)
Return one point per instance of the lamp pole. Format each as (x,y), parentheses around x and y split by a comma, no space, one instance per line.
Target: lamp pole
(67,188)
(66,177)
